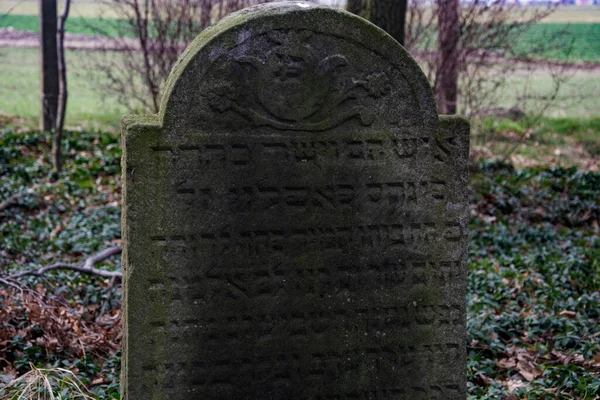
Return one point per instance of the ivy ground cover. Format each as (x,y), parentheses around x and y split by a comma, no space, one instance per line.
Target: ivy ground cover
(533,284)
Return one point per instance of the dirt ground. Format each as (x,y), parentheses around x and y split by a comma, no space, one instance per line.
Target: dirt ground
(10,37)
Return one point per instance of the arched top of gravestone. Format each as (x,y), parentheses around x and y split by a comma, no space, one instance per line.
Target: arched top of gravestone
(295,66)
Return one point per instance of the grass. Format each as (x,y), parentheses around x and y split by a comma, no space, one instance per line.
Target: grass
(568,142)
(529,90)
(79,8)
(45,384)
(562,41)
(533,300)
(75,25)
(555,131)
(88,106)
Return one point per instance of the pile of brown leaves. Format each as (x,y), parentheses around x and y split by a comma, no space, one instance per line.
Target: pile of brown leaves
(32,318)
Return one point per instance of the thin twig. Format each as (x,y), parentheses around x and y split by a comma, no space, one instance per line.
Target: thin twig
(12,200)
(107,300)
(8,282)
(87,267)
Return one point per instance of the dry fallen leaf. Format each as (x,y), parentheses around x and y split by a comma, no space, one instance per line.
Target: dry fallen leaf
(514,382)
(99,381)
(568,314)
(567,358)
(528,370)
(508,363)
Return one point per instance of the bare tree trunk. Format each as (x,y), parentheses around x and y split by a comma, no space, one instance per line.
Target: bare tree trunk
(355,6)
(63,93)
(206,15)
(48,65)
(447,77)
(389,15)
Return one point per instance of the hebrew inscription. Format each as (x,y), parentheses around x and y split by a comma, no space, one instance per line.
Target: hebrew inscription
(295,220)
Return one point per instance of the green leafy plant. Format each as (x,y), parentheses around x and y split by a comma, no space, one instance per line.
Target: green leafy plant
(533,300)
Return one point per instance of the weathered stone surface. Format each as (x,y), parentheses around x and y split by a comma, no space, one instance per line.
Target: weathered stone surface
(295,220)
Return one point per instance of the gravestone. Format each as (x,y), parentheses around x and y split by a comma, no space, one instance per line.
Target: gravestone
(295,219)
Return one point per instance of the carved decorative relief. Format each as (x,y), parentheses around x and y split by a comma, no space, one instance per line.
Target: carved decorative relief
(292,86)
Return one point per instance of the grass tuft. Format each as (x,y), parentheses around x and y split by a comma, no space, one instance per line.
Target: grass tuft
(46,384)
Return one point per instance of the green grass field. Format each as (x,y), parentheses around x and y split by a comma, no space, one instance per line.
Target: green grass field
(562,41)
(75,25)
(88,106)
(19,68)
(578,97)
(79,8)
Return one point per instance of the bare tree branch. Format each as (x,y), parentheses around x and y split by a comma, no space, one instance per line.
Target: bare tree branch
(161,30)
(9,282)
(107,300)
(12,200)
(87,267)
